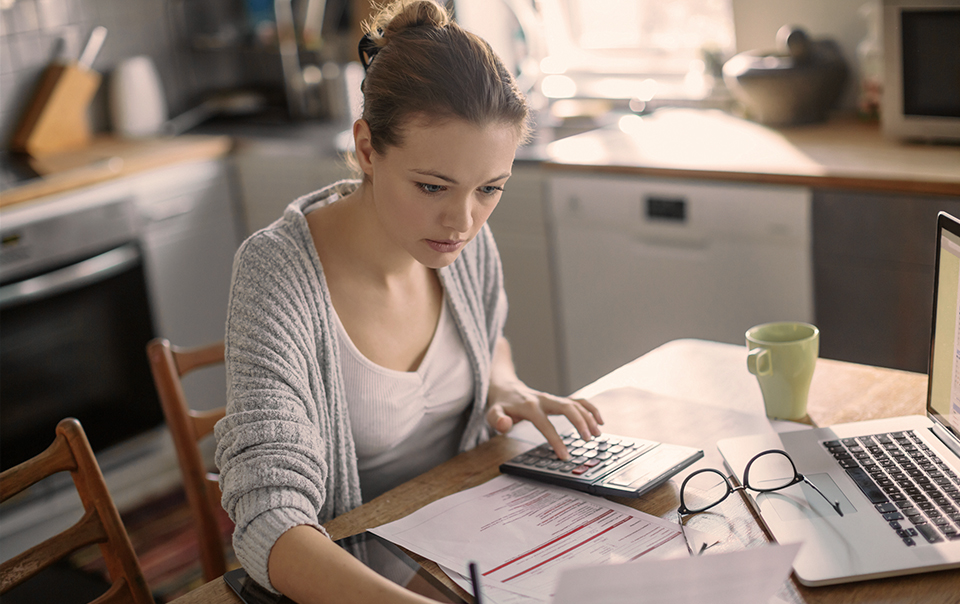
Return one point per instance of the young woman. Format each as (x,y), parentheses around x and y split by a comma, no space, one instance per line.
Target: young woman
(364,333)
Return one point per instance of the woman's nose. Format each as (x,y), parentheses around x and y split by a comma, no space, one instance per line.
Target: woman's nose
(457,215)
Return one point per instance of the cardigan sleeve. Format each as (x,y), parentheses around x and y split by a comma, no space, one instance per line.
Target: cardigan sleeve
(272,458)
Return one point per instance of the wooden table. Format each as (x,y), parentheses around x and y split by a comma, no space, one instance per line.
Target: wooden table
(689,392)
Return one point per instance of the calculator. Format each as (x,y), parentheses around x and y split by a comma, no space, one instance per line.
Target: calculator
(605,465)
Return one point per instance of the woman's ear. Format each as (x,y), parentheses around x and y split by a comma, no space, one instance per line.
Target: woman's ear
(364,146)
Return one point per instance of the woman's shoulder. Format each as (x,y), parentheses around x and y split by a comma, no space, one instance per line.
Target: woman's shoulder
(290,232)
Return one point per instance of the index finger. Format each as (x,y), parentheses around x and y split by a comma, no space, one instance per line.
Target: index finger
(545,426)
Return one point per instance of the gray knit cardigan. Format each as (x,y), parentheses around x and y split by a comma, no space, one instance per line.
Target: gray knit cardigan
(285,449)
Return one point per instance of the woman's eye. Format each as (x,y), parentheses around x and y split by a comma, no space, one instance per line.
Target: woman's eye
(428,188)
(490,190)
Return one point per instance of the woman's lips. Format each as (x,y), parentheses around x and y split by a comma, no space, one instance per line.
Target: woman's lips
(444,247)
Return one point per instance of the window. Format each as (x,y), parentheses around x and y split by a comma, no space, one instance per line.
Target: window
(628,48)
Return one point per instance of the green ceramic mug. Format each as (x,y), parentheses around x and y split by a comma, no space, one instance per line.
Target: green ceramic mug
(783,356)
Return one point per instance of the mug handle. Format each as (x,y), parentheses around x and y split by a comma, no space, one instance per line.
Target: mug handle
(758,361)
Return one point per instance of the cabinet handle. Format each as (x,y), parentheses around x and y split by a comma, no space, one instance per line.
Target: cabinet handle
(158,212)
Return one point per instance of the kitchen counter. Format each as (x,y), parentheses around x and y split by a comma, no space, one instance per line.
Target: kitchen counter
(671,143)
(107,158)
(685,143)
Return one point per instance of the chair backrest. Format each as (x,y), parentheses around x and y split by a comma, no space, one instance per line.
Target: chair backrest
(187,426)
(100,523)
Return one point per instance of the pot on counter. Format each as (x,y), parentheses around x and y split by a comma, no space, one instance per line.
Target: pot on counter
(797,84)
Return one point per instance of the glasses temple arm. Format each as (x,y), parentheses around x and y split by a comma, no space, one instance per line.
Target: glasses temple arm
(686,540)
(834,504)
(683,533)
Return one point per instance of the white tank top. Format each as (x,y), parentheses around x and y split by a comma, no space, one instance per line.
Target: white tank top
(406,422)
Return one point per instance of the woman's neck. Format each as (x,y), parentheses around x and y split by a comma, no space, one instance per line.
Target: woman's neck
(349,237)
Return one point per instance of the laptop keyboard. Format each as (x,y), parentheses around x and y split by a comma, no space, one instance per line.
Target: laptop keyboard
(908,484)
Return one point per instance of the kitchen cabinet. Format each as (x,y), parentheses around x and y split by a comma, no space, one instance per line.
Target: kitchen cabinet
(190,229)
(873,275)
(521,233)
(272,173)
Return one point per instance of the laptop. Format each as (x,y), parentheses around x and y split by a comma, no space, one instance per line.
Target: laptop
(897,480)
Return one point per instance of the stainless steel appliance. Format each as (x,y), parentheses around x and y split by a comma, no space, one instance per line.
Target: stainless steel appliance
(642,261)
(86,279)
(75,318)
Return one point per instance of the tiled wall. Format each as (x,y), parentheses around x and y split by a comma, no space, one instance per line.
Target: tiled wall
(31,30)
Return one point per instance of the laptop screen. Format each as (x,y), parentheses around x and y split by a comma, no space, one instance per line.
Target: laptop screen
(943,396)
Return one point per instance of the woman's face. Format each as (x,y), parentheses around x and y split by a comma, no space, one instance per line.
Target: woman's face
(434,193)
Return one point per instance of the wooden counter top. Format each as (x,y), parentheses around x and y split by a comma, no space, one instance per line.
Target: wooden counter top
(107,158)
(686,143)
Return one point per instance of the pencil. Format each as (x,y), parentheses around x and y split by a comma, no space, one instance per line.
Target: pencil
(475,579)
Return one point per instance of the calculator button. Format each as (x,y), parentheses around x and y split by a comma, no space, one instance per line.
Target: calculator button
(596,469)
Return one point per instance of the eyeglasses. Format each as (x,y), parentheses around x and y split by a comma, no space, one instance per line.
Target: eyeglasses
(767,471)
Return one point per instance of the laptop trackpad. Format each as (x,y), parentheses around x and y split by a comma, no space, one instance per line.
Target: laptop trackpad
(788,505)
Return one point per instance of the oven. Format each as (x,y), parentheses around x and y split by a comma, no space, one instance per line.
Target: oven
(87,277)
(76,317)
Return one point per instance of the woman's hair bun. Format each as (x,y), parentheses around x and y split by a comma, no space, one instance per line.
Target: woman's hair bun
(400,15)
(418,61)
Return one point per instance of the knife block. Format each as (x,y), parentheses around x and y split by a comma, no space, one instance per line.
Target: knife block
(56,118)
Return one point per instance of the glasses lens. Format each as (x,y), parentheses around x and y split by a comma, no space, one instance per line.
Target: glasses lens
(703,490)
(770,471)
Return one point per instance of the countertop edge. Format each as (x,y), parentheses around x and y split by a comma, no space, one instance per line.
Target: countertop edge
(116,158)
(858,183)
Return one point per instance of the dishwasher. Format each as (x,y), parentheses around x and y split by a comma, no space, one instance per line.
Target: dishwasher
(639,261)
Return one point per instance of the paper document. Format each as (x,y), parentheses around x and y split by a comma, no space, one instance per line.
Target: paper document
(523,533)
(751,576)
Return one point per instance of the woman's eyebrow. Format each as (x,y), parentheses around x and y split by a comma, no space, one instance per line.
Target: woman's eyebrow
(436,174)
(453,181)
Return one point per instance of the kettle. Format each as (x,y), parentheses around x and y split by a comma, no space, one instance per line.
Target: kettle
(138,107)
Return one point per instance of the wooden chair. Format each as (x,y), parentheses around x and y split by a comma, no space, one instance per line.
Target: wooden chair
(187,426)
(100,523)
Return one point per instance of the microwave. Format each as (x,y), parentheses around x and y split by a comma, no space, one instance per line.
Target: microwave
(921,53)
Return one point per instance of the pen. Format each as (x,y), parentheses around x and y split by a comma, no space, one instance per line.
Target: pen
(475,579)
